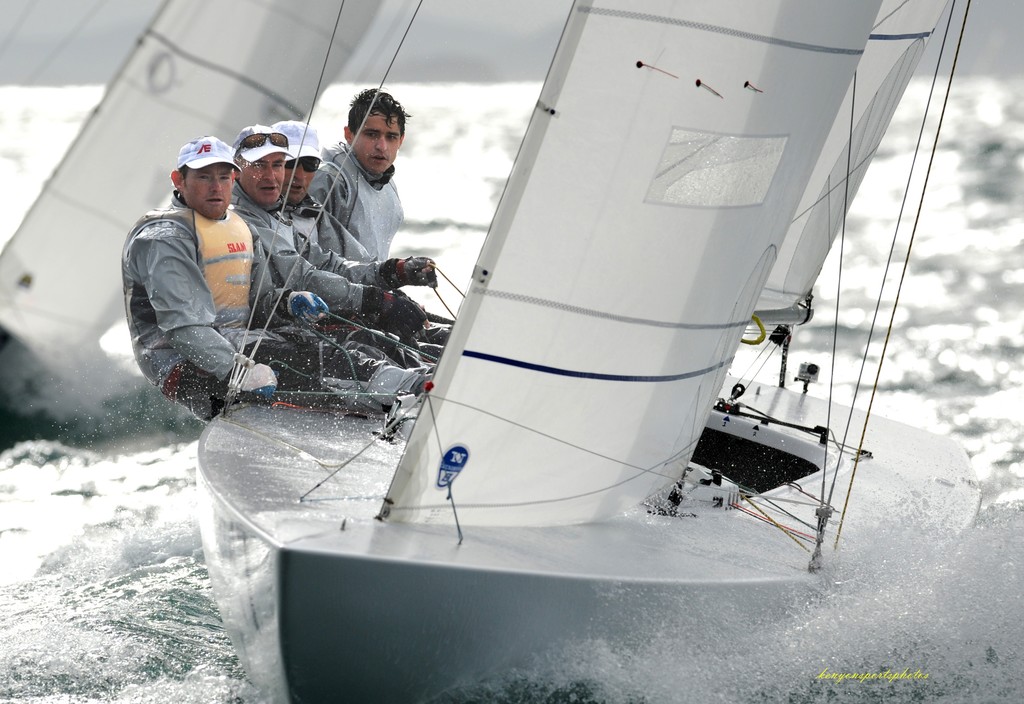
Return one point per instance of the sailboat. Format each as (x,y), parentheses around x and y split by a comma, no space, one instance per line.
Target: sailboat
(687,166)
(60,289)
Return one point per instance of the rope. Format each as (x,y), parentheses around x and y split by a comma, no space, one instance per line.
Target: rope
(376,333)
(746,511)
(436,293)
(233,388)
(775,523)
(299,451)
(825,505)
(760,338)
(337,469)
(452,283)
(910,244)
(380,86)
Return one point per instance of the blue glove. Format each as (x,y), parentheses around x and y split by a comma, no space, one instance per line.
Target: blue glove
(306,306)
(260,380)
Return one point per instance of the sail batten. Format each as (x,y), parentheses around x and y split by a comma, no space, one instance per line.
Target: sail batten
(720,29)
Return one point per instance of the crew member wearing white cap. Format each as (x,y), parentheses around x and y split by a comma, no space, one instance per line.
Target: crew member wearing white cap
(192,277)
(261,153)
(312,225)
(319,237)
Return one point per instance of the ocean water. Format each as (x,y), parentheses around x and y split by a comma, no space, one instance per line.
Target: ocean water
(104,596)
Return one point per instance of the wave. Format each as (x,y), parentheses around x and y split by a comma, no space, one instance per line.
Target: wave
(101,405)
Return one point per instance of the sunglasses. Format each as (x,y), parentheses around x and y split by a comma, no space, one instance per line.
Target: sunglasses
(260,138)
(308,163)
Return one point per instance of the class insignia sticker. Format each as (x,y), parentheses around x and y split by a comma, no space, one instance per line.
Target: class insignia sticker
(453,461)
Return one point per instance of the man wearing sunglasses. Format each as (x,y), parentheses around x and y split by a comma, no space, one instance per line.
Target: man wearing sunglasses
(194,282)
(261,153)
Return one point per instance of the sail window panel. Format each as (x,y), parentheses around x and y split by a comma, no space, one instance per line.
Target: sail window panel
(710,170)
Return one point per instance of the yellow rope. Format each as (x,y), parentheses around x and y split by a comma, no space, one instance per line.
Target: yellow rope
(760,338)
(775,523)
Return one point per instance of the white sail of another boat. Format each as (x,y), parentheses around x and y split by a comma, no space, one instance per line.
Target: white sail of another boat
(662,169)
(897,42)
(200,68)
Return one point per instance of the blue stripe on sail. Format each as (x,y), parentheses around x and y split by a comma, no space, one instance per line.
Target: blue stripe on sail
(898,37)
(589,375)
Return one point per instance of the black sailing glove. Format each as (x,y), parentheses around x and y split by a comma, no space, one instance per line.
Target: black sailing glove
(396,314)
(413,271)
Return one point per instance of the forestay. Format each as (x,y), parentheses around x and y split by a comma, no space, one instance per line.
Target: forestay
(894,50)
(664,163)
(200,68)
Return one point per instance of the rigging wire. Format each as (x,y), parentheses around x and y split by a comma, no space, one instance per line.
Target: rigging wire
(913,233)
(233,388)
(380,86)
(763,356)
(13,32)
(775,523)
(235,385)
(300,452)
(337,469)
(74,32)
(790,532)
(824,510)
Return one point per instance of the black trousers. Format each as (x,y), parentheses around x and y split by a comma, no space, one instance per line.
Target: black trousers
(308,371)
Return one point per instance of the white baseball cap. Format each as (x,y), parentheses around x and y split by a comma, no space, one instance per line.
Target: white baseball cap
(204,151)
(302,138)
(257,141)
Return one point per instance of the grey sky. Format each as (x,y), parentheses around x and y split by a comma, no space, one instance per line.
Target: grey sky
(84,41)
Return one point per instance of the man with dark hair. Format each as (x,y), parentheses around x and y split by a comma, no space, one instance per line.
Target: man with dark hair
(193,277)
(320,238)
(261,153)
(354,181)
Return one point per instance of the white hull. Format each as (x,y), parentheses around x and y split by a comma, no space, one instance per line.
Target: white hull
(323,601)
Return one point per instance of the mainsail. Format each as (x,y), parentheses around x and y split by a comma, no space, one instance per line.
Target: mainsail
(894,49)
(661,171)
(200,68)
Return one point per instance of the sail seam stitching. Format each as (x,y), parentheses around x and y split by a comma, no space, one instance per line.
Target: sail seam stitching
(589,312)
(704,27)
(240,78)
